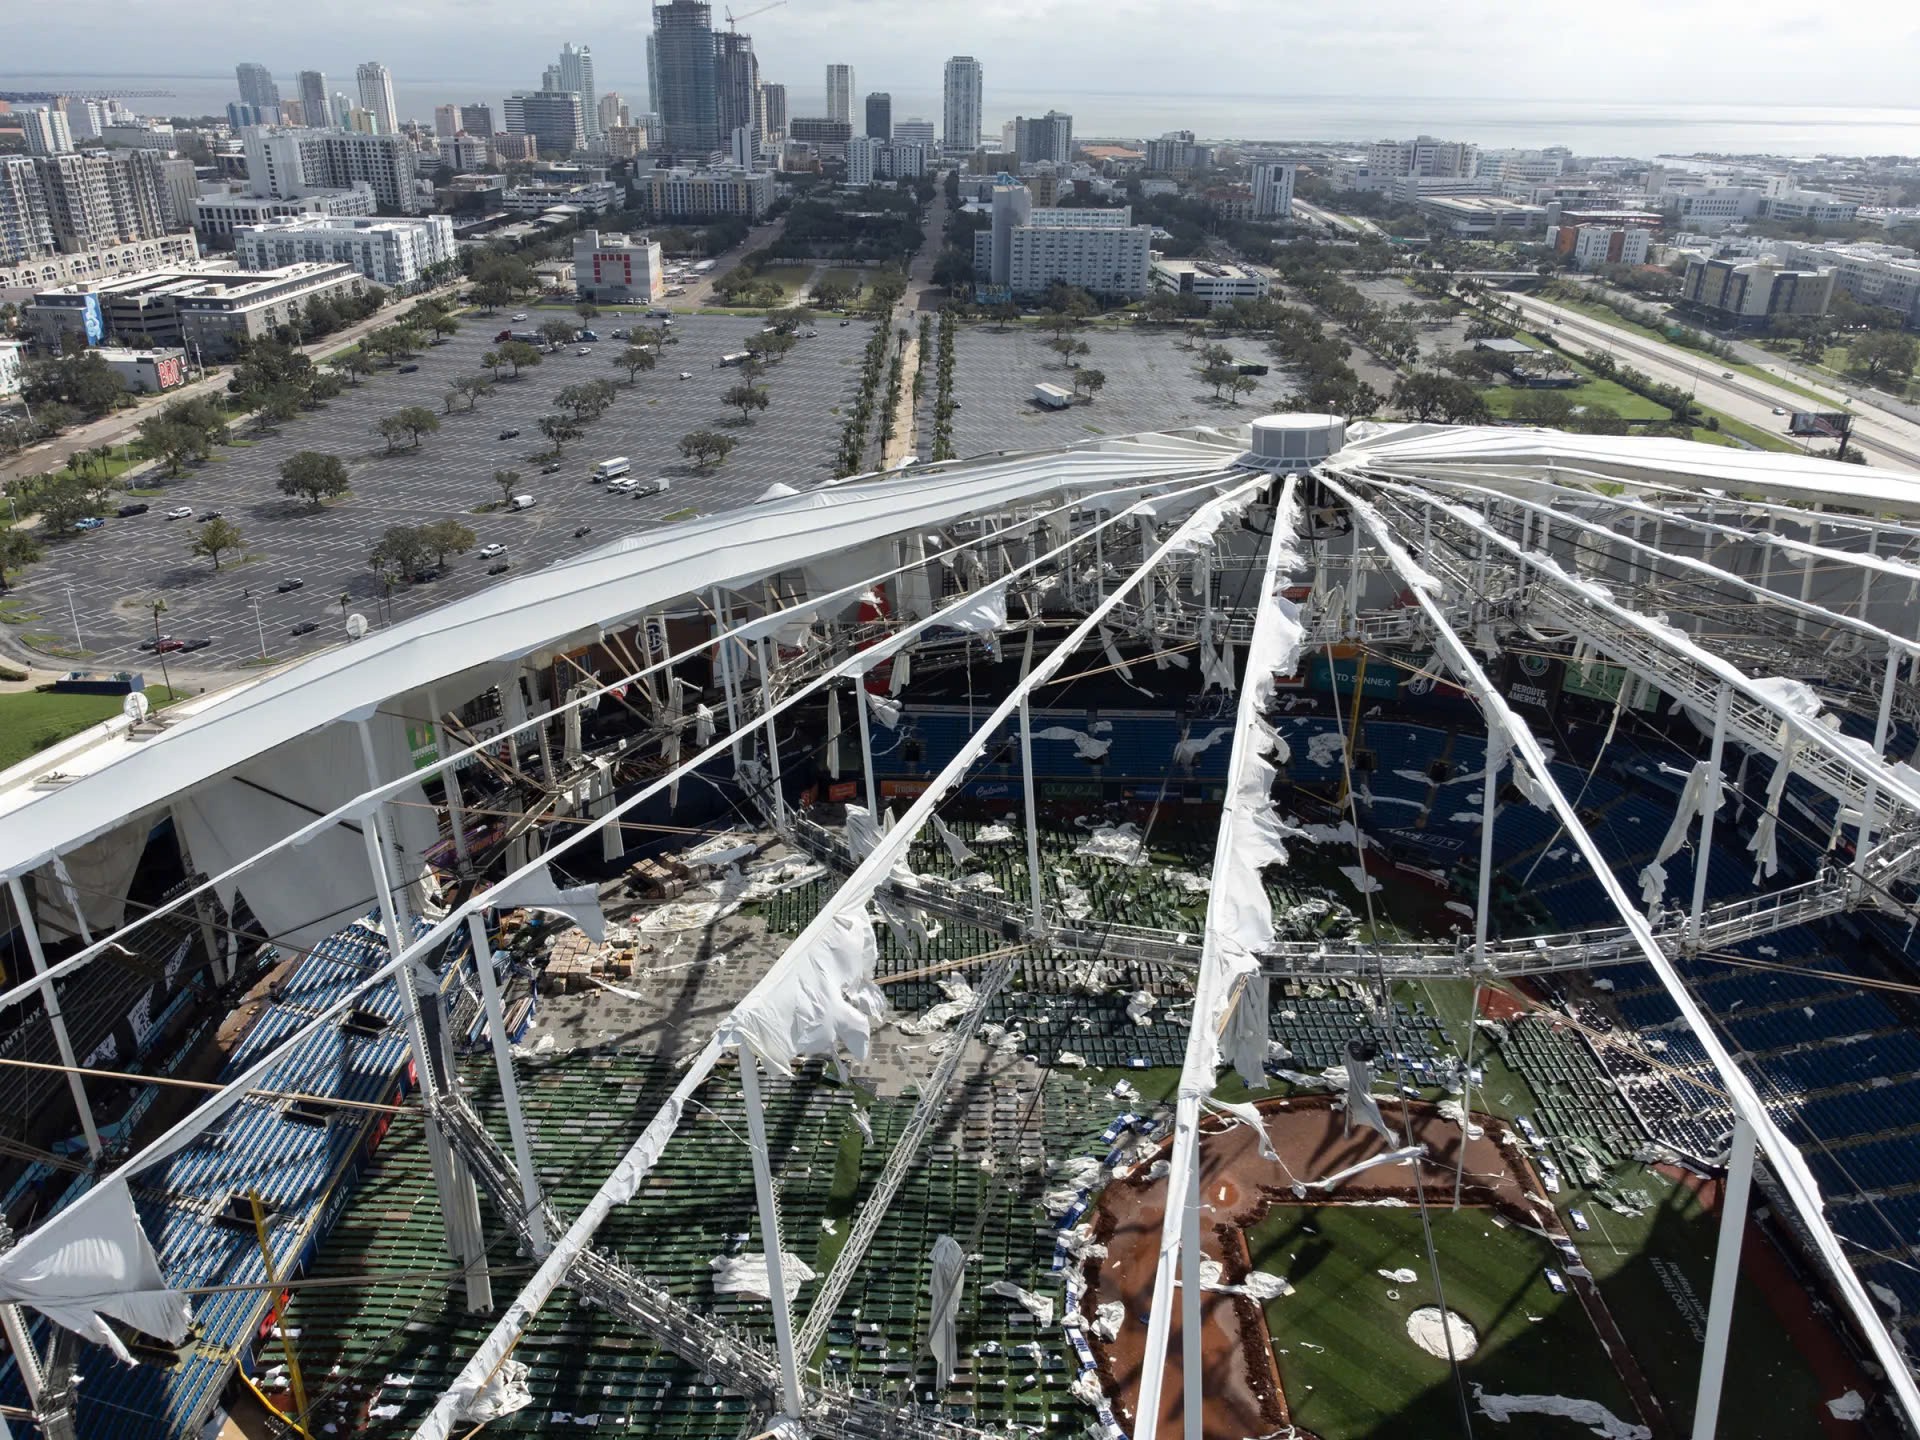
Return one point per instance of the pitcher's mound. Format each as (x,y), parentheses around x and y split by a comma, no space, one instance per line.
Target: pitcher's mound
(1424,1328)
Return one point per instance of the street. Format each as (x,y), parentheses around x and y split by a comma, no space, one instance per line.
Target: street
(1884,438)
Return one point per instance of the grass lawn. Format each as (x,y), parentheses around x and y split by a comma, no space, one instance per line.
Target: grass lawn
(1611,393)
(788,277)
(852,279)
(1755,372)
(31,721)
(1346,1365)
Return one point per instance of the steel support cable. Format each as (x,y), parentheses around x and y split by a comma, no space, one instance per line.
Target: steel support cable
(865,877)
(362,803)
(1796,1180)
(1824,760)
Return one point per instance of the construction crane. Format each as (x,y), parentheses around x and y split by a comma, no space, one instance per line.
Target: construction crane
(733,20)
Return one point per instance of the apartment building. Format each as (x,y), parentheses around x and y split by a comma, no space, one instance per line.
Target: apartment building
(391,253)
(687,193)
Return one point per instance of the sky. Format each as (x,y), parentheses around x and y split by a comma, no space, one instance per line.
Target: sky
(1751,51)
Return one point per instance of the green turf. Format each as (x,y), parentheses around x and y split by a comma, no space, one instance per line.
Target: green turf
(1346,1365)
(839,1206)
(30,721)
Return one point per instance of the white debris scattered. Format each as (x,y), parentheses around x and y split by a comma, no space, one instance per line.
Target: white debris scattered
(1591,1413)
(746,1274)
(995,834)
(1117,844)
(686,915)
(1123,1091)
(1086,1388)
(1434,1334)
(1360,879)
(1849,1406)
(1038,1306)
(827,1226)
(1261,1286)
(1402,1276)
(1070,1059)
(960,999)
(1140,1008)
(1325,750)
(1108,1319)
(1460,908)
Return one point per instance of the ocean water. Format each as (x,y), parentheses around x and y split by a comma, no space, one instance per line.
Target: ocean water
(1589,127)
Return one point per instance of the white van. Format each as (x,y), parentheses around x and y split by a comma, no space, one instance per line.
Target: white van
(622,486)
(521,502)
(611,469)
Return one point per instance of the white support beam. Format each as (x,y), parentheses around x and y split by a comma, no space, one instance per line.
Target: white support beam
(1726,1279)
(1789,1167)
(62,1041)
(1036,897)
(770,1233)
(509,1081)
(1710,803)
(860,705)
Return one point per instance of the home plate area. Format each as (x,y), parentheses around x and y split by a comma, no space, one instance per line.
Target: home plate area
(1322,1312)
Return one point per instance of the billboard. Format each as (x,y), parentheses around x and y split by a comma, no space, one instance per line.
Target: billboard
(1830,424)
(1533,679)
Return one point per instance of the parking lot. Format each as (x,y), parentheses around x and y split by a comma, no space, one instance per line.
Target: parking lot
(115,572)
(1153,383)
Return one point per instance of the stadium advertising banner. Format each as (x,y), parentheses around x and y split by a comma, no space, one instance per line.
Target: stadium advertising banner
(1533,680)
(1432,842)
(1597,680)
(93,319)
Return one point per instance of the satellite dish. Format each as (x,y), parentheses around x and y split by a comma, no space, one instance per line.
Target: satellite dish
(356,625)
(134,707)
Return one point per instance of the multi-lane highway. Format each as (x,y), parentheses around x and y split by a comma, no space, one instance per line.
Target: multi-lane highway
(1886,439)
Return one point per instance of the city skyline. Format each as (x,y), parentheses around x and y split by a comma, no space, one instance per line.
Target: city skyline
(892,44)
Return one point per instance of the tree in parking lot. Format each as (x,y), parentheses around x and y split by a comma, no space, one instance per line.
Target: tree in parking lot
(746,399)
(442,326)
(473,387)
(412,421)
(18,550)
(354,364)
(452,398)
(400,552)
(507,480)
(214,539)
(706,448)
(447,537)
(492,292)
(65,500)
(314,476)
(557,332)
(1089,381)
(634,359)
(165,440)
(586,310)
(519,354)
(560,429)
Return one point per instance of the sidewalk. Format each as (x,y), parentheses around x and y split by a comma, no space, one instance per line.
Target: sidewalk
(122,425)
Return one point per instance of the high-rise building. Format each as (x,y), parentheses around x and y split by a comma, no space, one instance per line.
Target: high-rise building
(828,137)
(477,119)
(914,132)
(773,110)
(258,90)
(744,147)
(613,112)
(340,110)
(689,112)
(736,85)
(960,124)
(376,97)
(314,109)
(1272,190)
(102,198)
(653,71)
(879,116)
(86,118)
(1048,137)
(291,163)
(576,74)
(46,130)
(553,118)
(840,93)
(446,120)
(26,230)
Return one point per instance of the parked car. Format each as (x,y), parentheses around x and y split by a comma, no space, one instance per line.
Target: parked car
(521,316)
(156,642)
(167,644)
(92,522)
(509,434)
(499,567)
(292,582)
(1779,409)
(583,530)
(408,369)
(686,374)
(134,509)
(487,552)
(199,642)
(584,350)
(206,515)
(552,467)
(180,512)
(305,627)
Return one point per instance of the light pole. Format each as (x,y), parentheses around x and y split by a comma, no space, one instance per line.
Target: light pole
(74,616)
(258,628)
